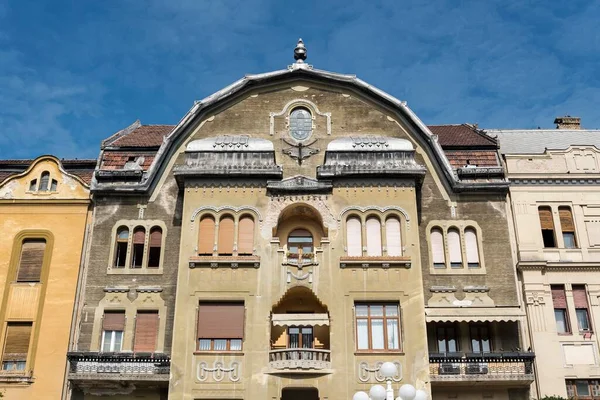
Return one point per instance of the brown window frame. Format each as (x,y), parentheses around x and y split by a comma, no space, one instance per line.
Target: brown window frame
(228,339)
(384,318)
(446,327)
(28,324)
(593,386)
(479,328)
(38,278)
(550,231)
(306,234)
(119,246)
(567,225)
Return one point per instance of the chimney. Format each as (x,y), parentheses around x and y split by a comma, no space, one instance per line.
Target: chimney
(567,122)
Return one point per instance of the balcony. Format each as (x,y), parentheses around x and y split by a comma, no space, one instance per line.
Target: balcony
(300,359)
(512,368)
(117,373)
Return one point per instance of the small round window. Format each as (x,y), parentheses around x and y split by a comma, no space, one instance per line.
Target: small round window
(300,124)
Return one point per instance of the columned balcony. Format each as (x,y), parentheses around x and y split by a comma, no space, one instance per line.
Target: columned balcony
(511,368)
(300,359)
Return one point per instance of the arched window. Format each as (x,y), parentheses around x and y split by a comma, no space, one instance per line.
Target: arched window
(53,185)
(437,248)
(44,181)
(33,185)
(373,237)
(206,235)
(139,240)
(392,237)
(155,247)
(246,235)
(121,250)
(300,124)
(567,226)
(454,248)
(225,244)
(300,241)
(547,224)
(472,248)
(354,237)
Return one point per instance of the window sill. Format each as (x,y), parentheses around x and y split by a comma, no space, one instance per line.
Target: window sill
(134,271)
(224,261)
(378,352)
(375,262)
(218,353)
(16,377)
(565,334)
(457,271)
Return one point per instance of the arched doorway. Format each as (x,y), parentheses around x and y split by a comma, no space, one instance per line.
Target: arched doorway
(300,394)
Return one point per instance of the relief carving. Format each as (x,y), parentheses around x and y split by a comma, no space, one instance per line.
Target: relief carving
(367,373)
(218,371)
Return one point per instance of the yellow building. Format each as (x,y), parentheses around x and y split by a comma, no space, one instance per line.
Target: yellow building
(44,210)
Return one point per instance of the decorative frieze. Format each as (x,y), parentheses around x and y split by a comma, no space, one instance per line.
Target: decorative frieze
(218,371)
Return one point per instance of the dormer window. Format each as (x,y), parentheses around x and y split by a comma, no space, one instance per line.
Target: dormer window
(300,124)
(44,181)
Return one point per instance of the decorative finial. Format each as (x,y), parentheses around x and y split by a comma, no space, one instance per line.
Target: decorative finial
(300,52)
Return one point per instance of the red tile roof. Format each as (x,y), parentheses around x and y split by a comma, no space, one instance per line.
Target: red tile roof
(463,135)
(480,158)
(144,136)
(112,160)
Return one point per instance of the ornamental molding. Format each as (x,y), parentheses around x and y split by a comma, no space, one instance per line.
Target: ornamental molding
(294,103)
(367,373)
(218,371)
(558,182)
(233,209)
(535,298)
(116,289)
(299,183)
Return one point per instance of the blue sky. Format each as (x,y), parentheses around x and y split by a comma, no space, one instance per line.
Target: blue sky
(74,72)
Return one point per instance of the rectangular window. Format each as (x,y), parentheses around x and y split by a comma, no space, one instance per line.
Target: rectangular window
(568,227)
(300,337)
(480,339)
(446,339)
(581,307)
(559,300)
(146,331)
(31,260)
(220,326)
(113,325)
(547,224)
(583,389)
(16,346)
(377,326)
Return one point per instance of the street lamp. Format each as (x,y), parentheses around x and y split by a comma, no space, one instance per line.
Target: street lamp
(378,392)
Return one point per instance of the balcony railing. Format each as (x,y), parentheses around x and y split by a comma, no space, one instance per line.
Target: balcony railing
(300,359)
(468,367)
(122,366)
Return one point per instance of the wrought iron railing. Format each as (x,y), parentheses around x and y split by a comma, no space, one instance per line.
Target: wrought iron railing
(148,365)
(481,366)
(305,359)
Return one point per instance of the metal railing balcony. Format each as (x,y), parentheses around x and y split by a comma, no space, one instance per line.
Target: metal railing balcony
(300,359)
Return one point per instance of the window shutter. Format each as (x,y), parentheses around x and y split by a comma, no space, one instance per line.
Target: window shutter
(206,237)
(246,236)
(454,246)
(354,237)
(156,237)
(32,259)
(471,244)
(559,299)
(580,296)
(16,345)
(225,245)
(392,237)
(437,246)
(566,219)
(221,321)
(546,218)
(139,236)
(113,321)
(146,331)
(373,237)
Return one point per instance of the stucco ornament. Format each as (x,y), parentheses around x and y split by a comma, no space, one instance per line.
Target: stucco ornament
(367,373)
(218,371)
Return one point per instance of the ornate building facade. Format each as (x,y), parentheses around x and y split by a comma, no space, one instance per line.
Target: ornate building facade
(44,216)
(555,205)
(294,231)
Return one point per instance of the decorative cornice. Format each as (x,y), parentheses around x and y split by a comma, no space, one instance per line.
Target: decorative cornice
(554,181)
(543,265)
(116,289)
(149,289)
(299,183)
(375,262)
(224,262)
(476,289)
(442,289)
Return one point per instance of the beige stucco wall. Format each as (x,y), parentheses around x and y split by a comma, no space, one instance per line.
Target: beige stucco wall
(570,356)
(61,217)
(262,288)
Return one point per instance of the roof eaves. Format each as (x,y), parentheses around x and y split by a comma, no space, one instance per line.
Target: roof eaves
(119,134)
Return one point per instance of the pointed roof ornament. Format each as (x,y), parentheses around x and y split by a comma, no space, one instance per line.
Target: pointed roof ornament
(300,52)
(299,55)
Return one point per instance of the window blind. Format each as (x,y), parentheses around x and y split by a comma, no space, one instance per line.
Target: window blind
(566,219)
(354,237)
(373,237)
(139,236)
(156,237)
(559,299)
(471,245)
(580,296)
(393,237)
(454,246)
(206,236)
(221,321)
(32,259)
(437,246)
(546,220)
(16,345)
(225,245)
(246,236)
(113,321)
(146,331)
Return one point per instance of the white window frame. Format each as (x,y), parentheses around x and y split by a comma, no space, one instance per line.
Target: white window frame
(112,342)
